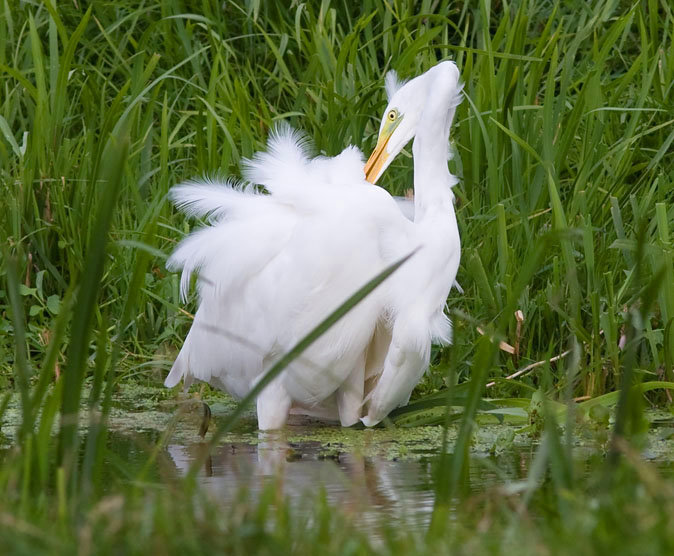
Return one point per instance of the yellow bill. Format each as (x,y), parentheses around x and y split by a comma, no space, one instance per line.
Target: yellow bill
(379,158)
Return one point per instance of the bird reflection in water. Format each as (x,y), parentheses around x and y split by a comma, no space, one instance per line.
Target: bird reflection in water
(357,484)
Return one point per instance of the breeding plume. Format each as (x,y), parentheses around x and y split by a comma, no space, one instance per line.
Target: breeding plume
(272,265)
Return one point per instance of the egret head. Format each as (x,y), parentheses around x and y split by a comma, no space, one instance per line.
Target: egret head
(407,101)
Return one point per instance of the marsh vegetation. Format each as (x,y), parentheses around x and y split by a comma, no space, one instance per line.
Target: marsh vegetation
(563,337)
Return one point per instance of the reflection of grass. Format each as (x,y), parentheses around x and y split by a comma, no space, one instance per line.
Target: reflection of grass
(566,201)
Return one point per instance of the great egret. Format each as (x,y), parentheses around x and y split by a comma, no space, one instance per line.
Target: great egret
(271,266)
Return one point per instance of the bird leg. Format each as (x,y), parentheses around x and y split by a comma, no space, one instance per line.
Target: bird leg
(273,405)
(205,421)
(350,394)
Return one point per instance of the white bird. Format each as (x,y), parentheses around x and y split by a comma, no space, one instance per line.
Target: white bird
(272,265)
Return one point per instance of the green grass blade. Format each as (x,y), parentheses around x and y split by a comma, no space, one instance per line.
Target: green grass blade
(113,166)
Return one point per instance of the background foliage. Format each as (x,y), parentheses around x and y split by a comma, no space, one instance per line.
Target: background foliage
(566,126)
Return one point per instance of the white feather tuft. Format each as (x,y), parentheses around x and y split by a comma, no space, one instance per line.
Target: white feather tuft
(210,199)
(441,329)
(287,155)
(190,255)
(392,83)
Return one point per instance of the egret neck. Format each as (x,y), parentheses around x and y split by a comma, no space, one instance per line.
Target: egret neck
(432,180)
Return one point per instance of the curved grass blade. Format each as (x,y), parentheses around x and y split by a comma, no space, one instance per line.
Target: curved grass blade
(294,353)
(113,165)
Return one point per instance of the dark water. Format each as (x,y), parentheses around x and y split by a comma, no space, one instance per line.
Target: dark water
(373,487)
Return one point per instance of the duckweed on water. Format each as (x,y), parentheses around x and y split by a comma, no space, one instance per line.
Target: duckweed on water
(139,408)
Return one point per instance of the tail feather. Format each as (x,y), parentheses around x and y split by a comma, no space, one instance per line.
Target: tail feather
(178,370)
(191,254)
(210,198)
(248,226)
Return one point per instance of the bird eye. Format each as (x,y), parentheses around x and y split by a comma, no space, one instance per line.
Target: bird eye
(392,115)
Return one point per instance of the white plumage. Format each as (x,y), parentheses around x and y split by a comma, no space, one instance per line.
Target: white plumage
(272,265)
